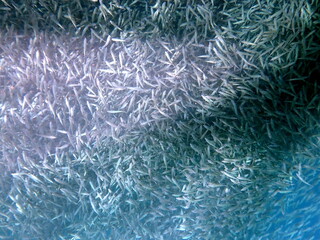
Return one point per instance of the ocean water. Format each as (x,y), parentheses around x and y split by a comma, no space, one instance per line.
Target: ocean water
(297,217)
(159,120)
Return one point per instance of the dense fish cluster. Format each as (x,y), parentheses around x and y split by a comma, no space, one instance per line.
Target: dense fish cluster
(182,119)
